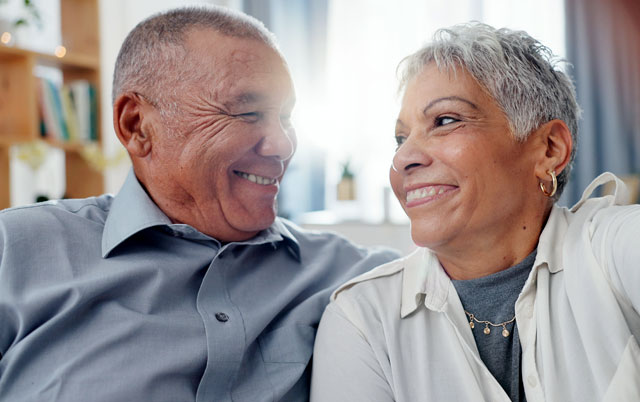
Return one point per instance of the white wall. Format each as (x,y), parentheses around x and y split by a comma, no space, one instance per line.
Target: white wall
(392,235)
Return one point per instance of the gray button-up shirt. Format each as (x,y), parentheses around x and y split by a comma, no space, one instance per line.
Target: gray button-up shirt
(104,299)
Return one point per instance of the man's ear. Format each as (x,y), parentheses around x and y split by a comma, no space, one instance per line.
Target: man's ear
(129,112)
(555,144)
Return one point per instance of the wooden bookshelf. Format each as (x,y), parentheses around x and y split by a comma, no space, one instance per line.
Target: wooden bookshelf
(19,110)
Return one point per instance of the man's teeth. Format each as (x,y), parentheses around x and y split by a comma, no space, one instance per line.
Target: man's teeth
(265,181)
(424,192)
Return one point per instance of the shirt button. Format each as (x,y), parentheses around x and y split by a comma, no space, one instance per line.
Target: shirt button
(222,317)
(532,380)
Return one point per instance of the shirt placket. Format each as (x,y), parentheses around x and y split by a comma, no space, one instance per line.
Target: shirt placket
(224,329)
(526,321)
(461,327)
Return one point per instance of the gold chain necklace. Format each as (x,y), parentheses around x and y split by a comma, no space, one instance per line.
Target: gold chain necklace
(487,330)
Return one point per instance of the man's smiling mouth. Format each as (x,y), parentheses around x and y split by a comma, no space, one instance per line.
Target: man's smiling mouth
(265,181)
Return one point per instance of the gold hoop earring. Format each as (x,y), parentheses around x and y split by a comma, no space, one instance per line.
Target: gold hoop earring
(554,185)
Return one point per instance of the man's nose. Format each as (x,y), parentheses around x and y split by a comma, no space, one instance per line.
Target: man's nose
(278,141)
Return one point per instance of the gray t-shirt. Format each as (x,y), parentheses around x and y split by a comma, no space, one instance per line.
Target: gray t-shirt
(493,298)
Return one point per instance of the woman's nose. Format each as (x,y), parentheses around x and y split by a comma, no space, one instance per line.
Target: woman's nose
(410,155)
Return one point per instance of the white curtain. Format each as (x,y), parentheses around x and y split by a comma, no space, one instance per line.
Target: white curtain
(603,44)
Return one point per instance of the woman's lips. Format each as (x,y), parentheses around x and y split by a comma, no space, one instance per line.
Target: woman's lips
(427,193)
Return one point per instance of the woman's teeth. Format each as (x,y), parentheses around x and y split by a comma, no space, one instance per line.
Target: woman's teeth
(424,192)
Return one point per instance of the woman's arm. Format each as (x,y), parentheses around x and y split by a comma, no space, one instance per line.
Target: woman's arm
(345,367)
(616,242)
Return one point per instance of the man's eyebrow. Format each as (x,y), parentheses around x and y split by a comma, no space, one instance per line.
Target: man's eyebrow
(245,98)
(448,98)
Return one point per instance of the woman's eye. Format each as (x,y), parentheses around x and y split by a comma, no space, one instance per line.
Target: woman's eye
(444,120)
(400,139)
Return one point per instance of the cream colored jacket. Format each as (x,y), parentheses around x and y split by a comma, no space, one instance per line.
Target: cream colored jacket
(399,333)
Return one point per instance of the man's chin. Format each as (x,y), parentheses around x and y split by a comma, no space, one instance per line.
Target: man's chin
(257,221)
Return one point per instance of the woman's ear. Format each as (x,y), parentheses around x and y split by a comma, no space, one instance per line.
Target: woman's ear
(556,143)
(129,112)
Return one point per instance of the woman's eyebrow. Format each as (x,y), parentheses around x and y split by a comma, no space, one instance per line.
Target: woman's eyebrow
(399,125)
(448,98)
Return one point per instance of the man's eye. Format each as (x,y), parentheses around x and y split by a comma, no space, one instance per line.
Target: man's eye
(400,139)
(250,117)
(444,120)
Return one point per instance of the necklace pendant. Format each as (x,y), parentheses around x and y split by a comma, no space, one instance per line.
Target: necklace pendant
(487,330)
(505,333)
(472,325)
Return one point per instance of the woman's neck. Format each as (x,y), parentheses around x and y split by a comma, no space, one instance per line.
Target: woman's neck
(491,252)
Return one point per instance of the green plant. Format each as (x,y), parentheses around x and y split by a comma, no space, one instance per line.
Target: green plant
(31,14)
(346,171)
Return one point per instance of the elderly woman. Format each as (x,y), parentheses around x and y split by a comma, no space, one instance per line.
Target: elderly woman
(509,296)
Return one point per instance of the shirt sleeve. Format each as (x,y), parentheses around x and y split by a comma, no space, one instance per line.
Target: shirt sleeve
(617,244)
(345,367)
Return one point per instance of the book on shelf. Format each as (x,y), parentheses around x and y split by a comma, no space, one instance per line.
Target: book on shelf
(68,113)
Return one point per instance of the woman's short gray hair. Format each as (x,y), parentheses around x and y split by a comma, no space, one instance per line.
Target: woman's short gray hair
(520,73)
(152,55)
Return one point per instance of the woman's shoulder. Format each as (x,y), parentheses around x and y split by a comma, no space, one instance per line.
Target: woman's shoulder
(380,294)
(368,300)
(385,277)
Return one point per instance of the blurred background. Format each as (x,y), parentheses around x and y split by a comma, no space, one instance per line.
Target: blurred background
(343,56)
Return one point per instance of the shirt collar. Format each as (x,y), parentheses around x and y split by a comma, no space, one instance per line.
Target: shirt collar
(424,281)
(133,211)
(275,234)
(551,240)
(281,232)
(552,237)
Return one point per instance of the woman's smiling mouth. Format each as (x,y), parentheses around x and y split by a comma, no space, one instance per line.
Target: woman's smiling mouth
(427,193)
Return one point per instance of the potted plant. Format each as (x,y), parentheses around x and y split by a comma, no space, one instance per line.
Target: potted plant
(347,185)
(27,15)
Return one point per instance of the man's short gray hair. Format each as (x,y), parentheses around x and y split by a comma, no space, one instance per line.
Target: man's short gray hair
(152,55)
(520,73)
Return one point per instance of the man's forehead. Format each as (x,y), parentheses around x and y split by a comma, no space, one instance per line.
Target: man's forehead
(236,71)
(226,48)
(223,55)
(238,90)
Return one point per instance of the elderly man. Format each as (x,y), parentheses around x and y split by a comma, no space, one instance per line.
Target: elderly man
(185,286)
